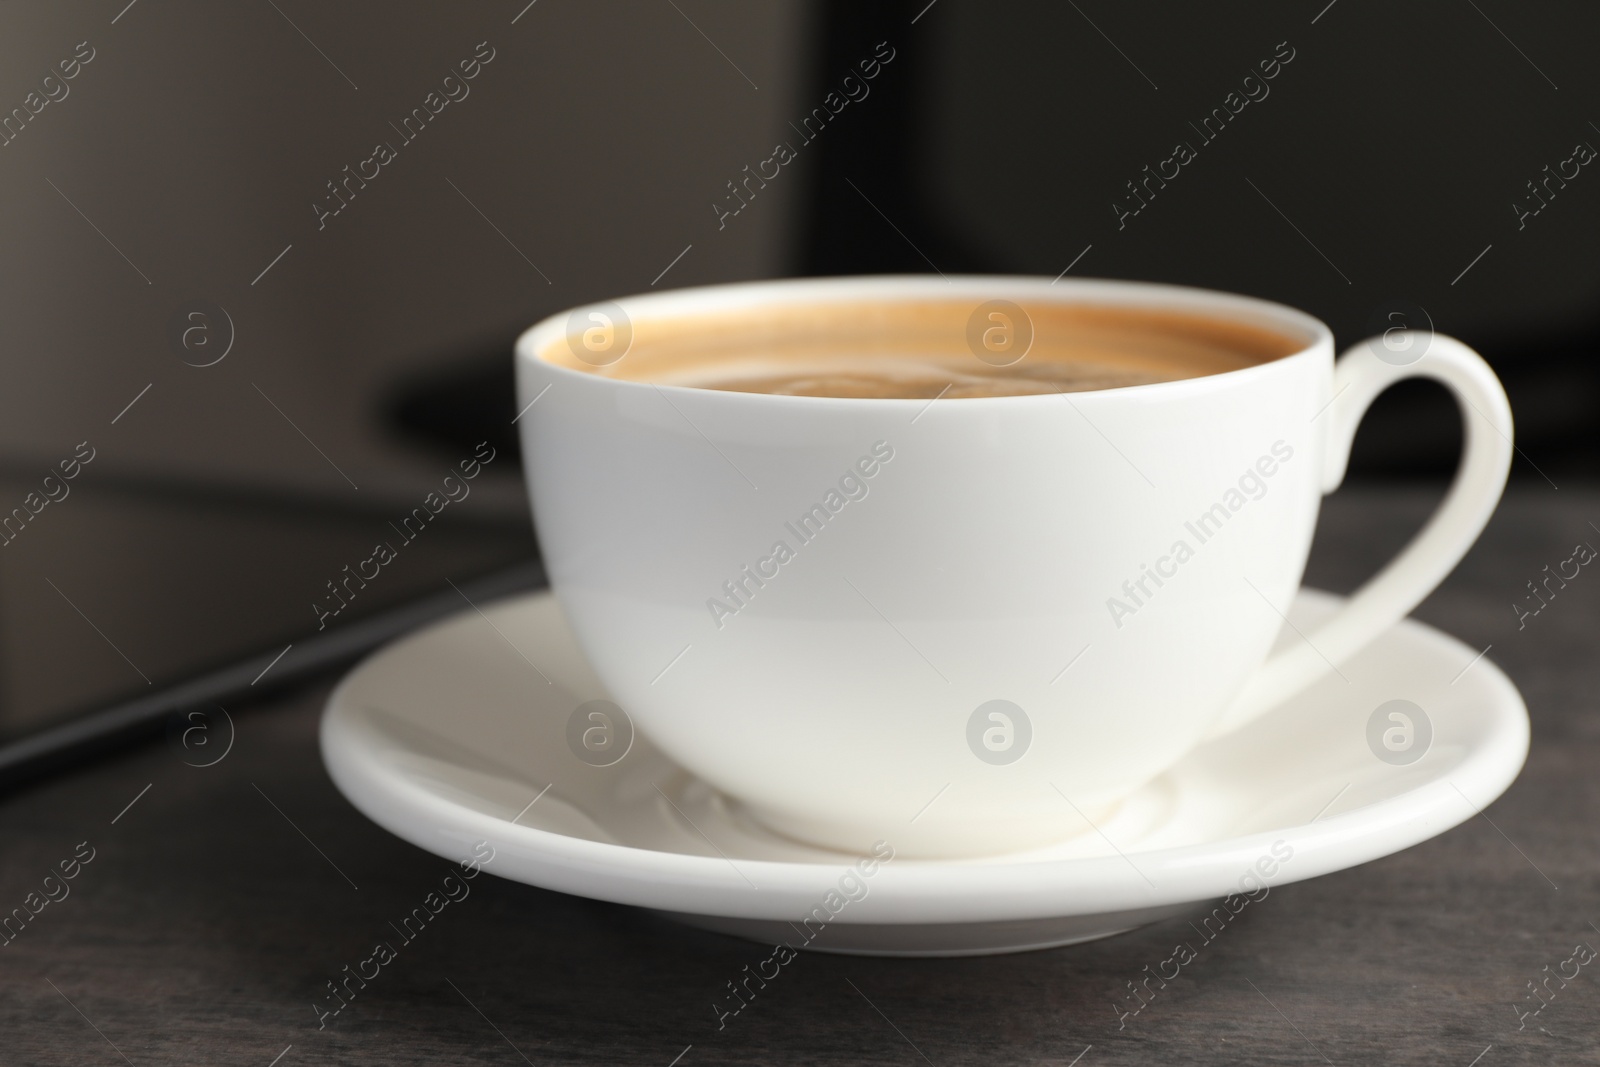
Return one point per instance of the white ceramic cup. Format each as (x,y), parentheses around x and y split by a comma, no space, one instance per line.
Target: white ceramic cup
(985,631)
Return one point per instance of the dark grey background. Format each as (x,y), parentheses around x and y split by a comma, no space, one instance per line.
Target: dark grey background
(1390,149)
(194,145)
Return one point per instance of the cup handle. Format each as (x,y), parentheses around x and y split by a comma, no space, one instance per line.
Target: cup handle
(1389,595)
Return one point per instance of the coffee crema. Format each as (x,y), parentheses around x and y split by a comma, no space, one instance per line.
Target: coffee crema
(925,349)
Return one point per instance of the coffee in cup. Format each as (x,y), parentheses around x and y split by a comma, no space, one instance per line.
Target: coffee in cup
(923,350)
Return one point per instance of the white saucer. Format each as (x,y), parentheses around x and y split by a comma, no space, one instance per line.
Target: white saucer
(446,736)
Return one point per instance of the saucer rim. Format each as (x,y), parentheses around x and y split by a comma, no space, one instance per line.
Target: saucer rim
(917,892)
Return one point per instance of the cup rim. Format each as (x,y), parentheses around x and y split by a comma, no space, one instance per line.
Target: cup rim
(700,300)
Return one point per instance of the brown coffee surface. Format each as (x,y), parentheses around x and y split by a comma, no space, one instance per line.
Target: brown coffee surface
(912,377)
(927,349)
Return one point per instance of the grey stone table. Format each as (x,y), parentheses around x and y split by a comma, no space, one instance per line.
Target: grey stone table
(215,909)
